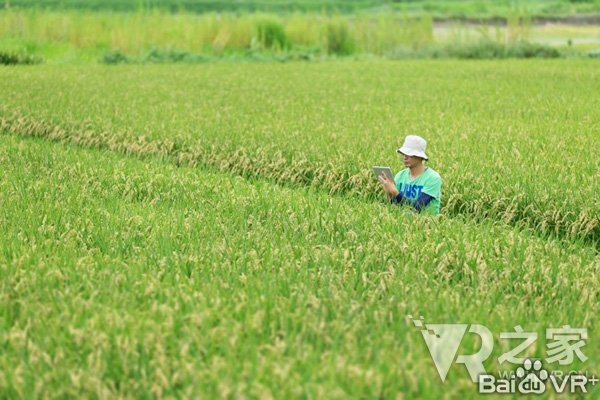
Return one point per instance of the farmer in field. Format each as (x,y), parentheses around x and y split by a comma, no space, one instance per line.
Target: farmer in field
(417,185)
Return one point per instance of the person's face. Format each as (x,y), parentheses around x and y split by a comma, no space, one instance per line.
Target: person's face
(411,161)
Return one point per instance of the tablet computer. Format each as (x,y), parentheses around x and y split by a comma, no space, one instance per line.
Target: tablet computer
(383,170)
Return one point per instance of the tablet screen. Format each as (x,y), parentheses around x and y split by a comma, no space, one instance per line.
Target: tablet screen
(383,170)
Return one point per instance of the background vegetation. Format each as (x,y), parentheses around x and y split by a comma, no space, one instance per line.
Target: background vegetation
(75,36)
(442,9)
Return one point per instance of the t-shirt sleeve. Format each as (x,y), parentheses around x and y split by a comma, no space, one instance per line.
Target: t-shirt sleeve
(433,186)
(398,180)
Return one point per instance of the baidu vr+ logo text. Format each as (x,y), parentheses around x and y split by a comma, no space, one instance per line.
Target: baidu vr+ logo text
(563,346)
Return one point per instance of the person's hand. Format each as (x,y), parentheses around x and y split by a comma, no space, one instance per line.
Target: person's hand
(388,185)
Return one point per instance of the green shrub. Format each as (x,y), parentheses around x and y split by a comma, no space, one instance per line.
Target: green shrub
(339,38)
(524,49)
(594,54)
(115,57)
(15,59)
(172,56)
(482,50)
(154,56)
(271,35)
(489,49)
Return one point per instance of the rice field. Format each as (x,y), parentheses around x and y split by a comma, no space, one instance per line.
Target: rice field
(509,136)
(214,231)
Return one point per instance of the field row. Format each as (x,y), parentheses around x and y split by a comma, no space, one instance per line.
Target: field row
(124,277)
(515,142)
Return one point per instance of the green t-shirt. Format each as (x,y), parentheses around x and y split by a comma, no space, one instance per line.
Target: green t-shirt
(428,182)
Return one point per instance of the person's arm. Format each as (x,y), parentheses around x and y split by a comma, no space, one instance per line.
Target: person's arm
(389,186)
(398,199)
(422,201)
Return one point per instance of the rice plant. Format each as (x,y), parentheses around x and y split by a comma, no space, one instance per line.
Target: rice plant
(124,277)
(509,142)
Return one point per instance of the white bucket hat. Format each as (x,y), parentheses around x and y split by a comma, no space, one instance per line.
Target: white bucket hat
(414,146)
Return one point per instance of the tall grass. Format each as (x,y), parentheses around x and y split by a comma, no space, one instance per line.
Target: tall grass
(218,34)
